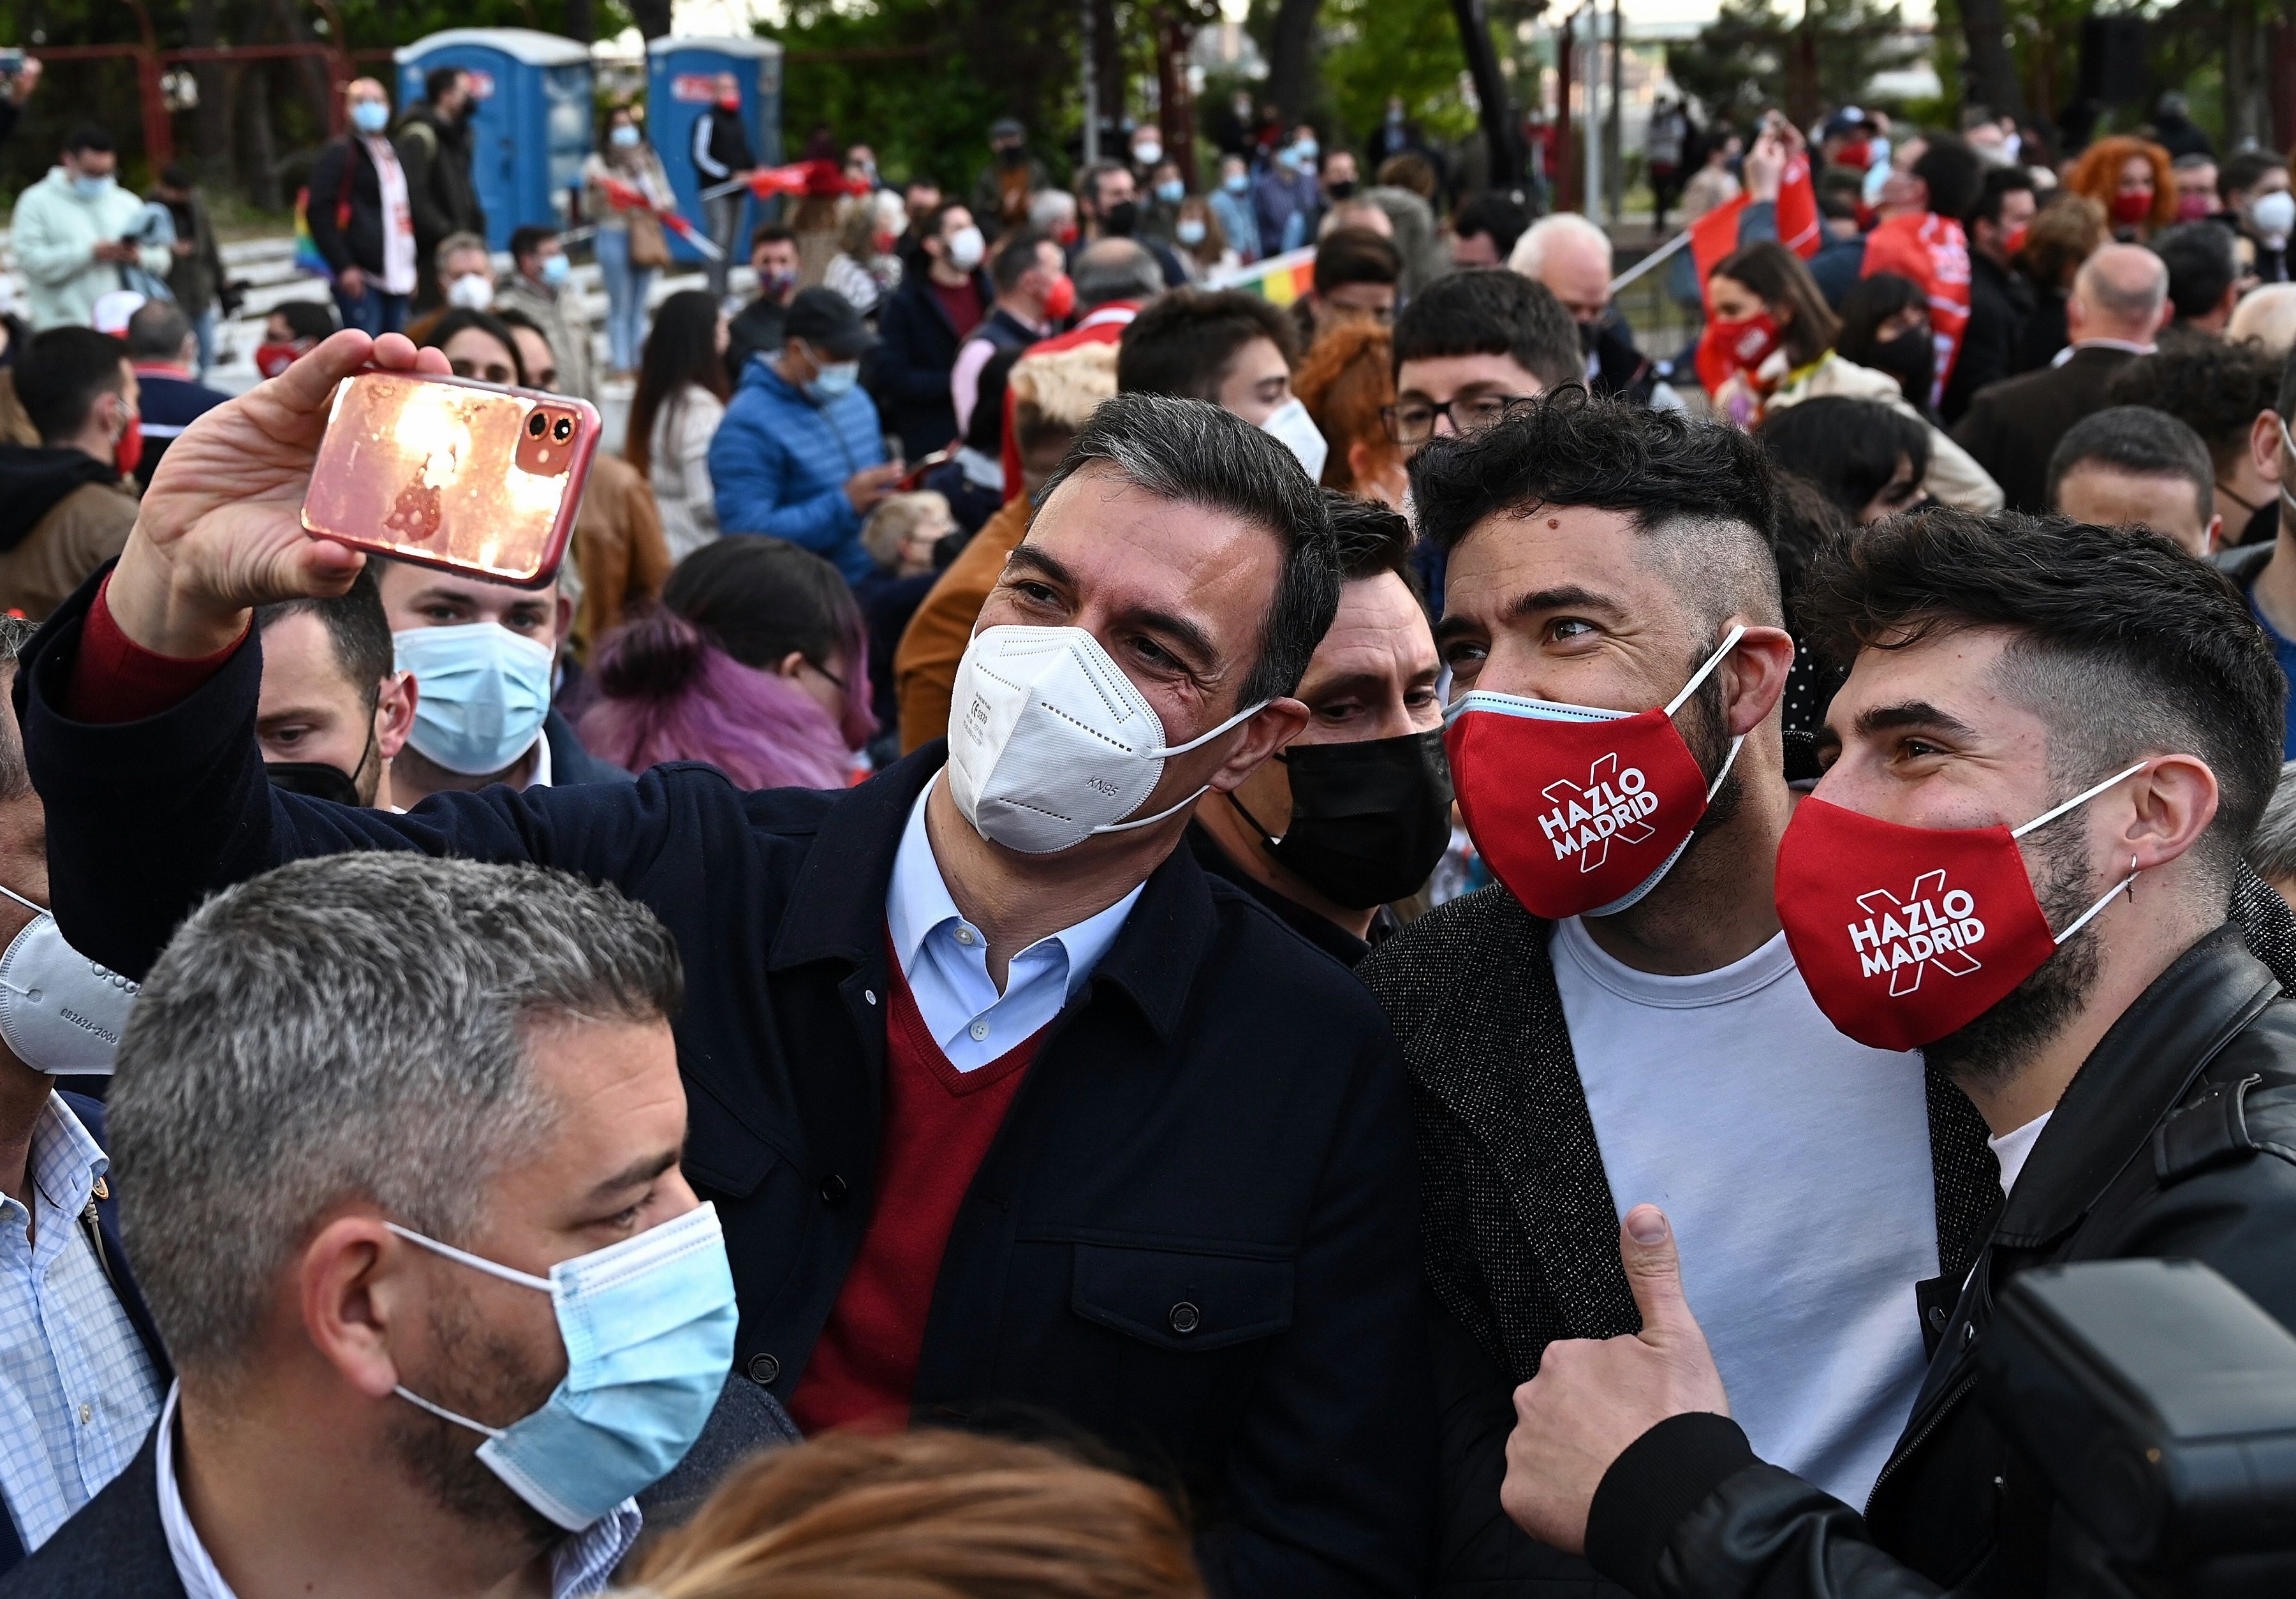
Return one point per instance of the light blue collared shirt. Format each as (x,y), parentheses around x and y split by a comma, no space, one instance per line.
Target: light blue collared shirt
(946,958)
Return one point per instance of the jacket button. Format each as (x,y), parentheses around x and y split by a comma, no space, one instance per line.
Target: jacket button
(1936,1317)
(832,1190)
(764,1369)
(1185,1317)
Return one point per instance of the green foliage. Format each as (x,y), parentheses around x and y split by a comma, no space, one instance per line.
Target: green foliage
(1742,63)
(922,79)
(1374,48)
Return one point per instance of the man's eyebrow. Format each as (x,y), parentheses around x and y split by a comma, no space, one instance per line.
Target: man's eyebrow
(1188,637)
(1367,683)
(1044,566)
(644,1170)
(1569,597)
(1456,626)
(1912,713)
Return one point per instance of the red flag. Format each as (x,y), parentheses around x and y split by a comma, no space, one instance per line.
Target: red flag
(815,178)
(691,234)
(624,197)
(1713,236)
(1933,252)
(1798,224)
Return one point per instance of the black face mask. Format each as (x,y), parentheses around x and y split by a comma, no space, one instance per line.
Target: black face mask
(1590,336)
(314,778)
(1369,820)
(1343,190)
(1120,221)
(1909,357)
(1012,155)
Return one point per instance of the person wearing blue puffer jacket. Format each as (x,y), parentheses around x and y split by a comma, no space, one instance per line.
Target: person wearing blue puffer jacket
(799,455)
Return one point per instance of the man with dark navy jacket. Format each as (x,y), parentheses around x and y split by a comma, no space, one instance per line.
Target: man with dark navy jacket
(1154,1153)
(81,1367)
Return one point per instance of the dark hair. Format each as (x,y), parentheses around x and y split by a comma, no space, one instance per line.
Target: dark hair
(358,632)
(1776,275)
(2202,265)
(62,373)
(1494,213)
(514,317)
(1015,259)
(157,330)
(1354,255)
(1196,454)
(1848,448)
(1661,469)
(90,136)
(1808,522)
(1184,344)
(2144,443)
(759,598)
(681,349)
(1838,205)
(1954,172)
(1868,303)
(2213,388)
(531,236)
(770,232)
(437,80)
(2241,171)
(459,317)
(1409,170)
(1999,183)
(307,318)
(939,215)
(2128,642)
(1490,311)
(1372,538)
(1087,187)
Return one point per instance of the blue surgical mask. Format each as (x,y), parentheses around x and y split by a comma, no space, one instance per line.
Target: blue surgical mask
(831,381)
(92,188)
(1171,191)
(1304,154)
(624,137)
(483,691)
(369,116)
(1236,182)
(648,1324)
(1188,231)
(554,269)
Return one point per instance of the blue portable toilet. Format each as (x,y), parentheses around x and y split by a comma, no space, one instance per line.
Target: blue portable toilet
(681,87)
(531,128)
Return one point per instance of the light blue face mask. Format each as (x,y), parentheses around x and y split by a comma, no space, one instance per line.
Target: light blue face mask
(624,136)
(1171,191)
(93,188)
(554,269)
(832,381)
(1236,182)
(369,116)
(649,1329)
(484,692)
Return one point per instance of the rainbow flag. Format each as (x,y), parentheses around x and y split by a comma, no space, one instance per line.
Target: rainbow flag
(308,258)
(1278,280)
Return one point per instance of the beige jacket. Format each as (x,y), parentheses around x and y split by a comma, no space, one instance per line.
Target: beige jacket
(1955,478)
(80,532)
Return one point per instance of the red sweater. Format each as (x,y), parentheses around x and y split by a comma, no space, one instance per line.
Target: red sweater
(938,1124)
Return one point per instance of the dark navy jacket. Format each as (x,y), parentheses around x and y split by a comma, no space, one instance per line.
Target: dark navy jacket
(90,1113)
(1196,1235)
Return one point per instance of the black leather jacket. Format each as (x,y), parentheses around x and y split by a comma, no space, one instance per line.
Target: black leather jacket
(2177,1138)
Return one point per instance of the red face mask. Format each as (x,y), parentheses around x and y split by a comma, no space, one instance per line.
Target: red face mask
(1732,346)
(1580,811)
(2013,240)
(272,360)
(2132,206)
(129,452)
(1857,156)
(1059,299)
(729,102)
(1905,934)
(2192,207)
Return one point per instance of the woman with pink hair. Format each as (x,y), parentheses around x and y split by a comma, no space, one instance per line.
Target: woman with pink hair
(755,662)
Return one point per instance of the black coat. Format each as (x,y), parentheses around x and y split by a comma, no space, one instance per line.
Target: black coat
(1999,302)
(2177,1138)
(1217,1119)
(114,1258)
(435,156)
(360,243)
(2013,427)
(916,350)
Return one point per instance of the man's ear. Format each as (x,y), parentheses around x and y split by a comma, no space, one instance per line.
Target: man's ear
(1277,724)
(394,713)
(2264,446)
(1753,678)
(2173,804)
(356,1284)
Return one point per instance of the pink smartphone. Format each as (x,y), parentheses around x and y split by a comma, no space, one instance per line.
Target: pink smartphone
(451,473)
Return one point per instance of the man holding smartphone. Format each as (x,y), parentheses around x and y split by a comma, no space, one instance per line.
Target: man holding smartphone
(1152,1151)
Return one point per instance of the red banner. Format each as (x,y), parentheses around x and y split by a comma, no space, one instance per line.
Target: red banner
(1933,252)
(1798,222)
(1712,237)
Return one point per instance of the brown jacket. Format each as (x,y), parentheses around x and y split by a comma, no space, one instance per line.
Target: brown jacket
(618,550)
(80,532)
(924,668)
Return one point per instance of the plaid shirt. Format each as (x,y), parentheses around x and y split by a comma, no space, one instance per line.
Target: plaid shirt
(78,1390)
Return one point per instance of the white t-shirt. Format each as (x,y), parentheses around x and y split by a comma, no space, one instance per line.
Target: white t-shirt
(2012,1146)
(1795,1165)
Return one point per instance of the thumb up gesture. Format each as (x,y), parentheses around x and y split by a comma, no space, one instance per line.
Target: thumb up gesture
(1592,1397)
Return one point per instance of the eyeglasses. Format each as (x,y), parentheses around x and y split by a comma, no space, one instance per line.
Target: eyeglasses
(1414,420)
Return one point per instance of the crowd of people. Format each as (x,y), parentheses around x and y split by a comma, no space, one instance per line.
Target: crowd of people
(1109,939)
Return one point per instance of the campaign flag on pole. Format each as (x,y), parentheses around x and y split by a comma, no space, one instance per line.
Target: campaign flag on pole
(1934,252)
(691,234)
(1798,224)
(1713,236)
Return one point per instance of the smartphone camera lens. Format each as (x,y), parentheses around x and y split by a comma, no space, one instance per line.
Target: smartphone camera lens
(563,430)
(537,425)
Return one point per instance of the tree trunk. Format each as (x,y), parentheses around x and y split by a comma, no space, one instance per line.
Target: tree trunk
(211,130)
(1991,69)
(261,173)
(1289,64)
(581,20)
(1108,66)
(1176,108)
(651,16)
